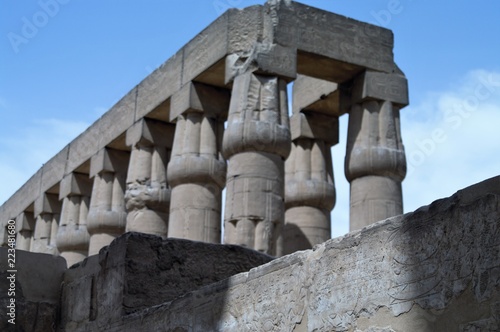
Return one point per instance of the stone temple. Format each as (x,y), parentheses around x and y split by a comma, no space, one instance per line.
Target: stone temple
(121,230)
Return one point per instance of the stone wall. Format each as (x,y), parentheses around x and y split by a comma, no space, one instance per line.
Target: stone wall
(435,269)
(37,288)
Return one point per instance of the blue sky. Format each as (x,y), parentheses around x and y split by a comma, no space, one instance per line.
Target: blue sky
(65,62)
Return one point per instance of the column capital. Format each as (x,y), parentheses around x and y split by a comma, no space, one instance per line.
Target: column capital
(150,132)
(47,203)
(315,126)
(380,86)
(108,160)
(75,184)
(25,221)
(265,59)
(199,97)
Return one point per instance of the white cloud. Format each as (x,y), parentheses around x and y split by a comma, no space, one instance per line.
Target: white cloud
(31,147)
(452,139)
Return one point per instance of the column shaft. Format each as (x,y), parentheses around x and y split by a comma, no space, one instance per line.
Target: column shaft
(375,162)
(47,214)
(72,235)
(147,195)
(197,175)
(197,170)
(256,142)
(107,215)
(310,190)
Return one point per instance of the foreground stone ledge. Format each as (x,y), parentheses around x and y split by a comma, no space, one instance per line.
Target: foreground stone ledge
(138,271)
(436,269)
(37,291)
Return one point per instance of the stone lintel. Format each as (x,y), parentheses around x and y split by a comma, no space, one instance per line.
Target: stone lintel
(108,160)
(25,221)
(329,36)
(380,86)
(317,95)
(265,59)
(151,132)
(75,184)
(315,126)
(47,203)
(199,97)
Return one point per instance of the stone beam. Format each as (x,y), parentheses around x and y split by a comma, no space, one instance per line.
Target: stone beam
(330,46)
(320,96)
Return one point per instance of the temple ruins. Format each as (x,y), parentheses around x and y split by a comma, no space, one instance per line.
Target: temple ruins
(122,229)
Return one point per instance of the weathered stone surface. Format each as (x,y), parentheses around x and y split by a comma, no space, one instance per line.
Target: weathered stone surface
(268,59)
(256,142)
(436,269)
(309,194)
(147,195)
(380,86)
(159,85)
(22,198)
(351,44)
(138,271)
(25,225)
(196,171)
(37,290)
(316,95)
(107,215)
(198,97)
(375,162)
(53,170)
(315,126)
(205,49)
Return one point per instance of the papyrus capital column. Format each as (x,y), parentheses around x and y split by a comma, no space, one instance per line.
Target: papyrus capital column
(72,235)
(147,195)
(47,214)
(375,163)
(197,170)
(256,143)
(309,187)
(25,225)
(107,215)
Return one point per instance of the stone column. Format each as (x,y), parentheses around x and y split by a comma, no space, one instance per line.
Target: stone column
(72,235)
(309,186)
(147,196)
(375,163)
(47,213)
(25,224)
(256,143)
(197,170)
(107,216)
